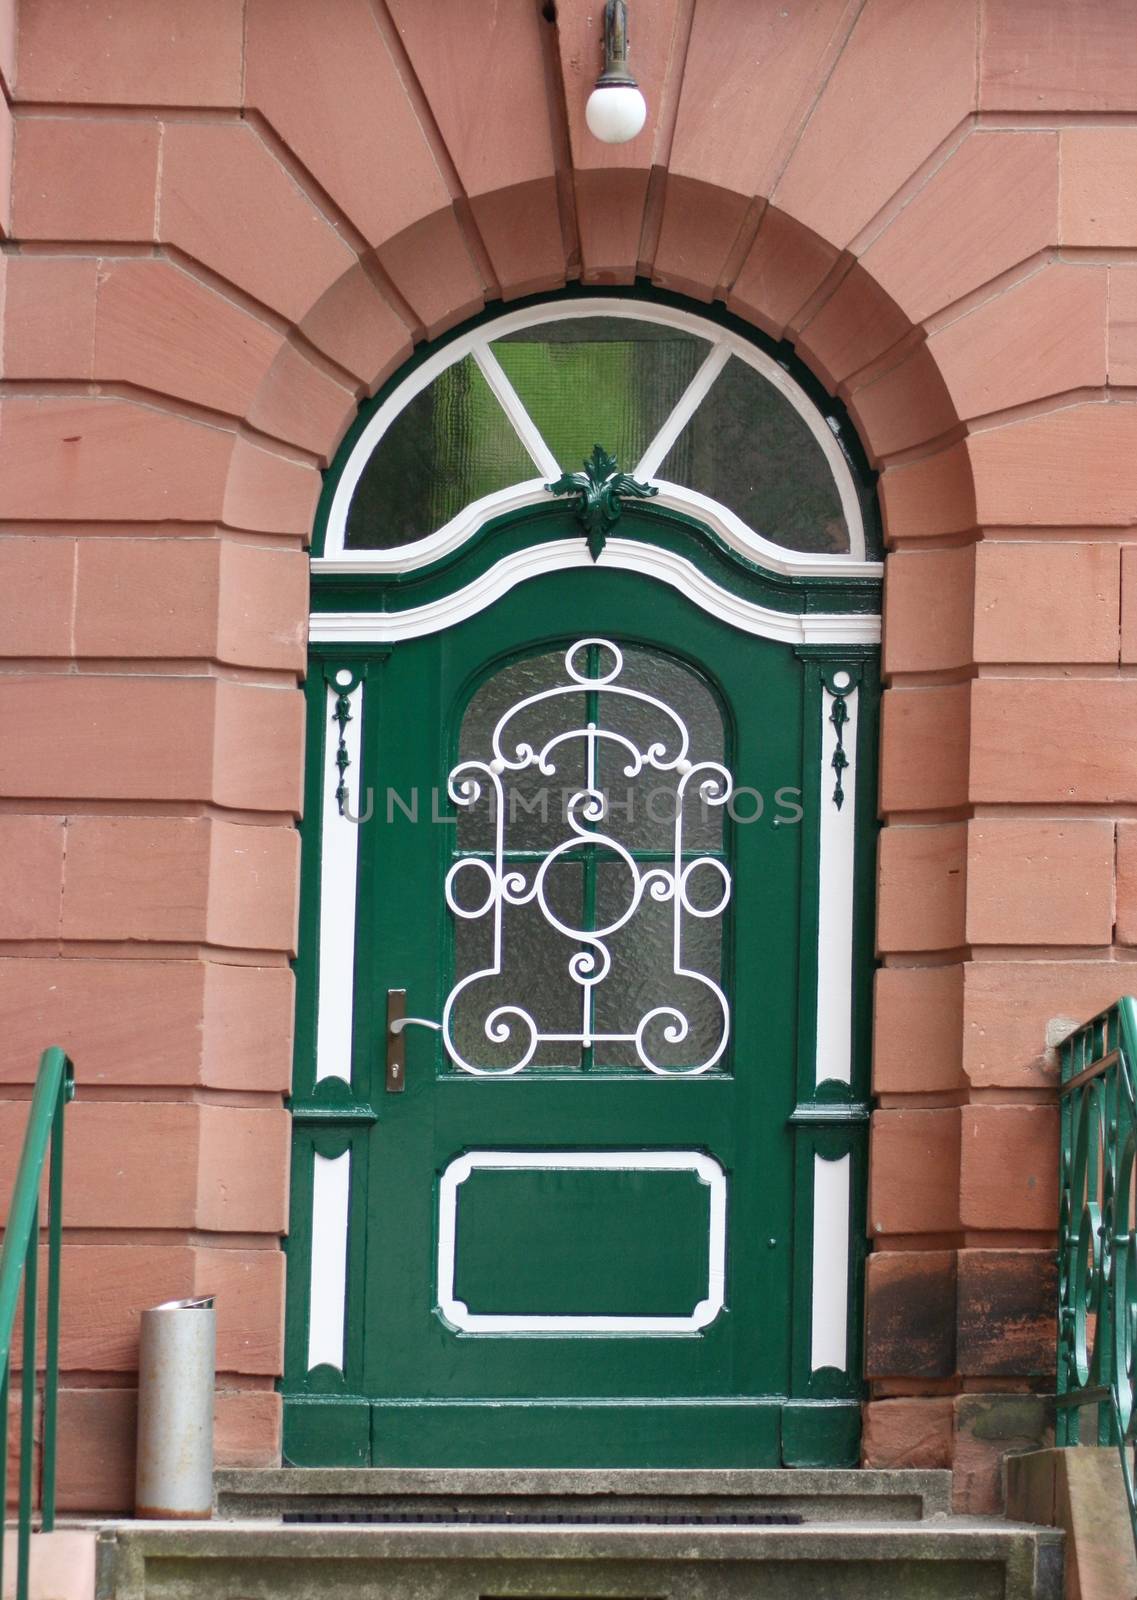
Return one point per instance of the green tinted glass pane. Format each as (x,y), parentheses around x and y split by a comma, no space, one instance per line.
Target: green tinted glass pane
(534,801)
(535,972)
(643,805)
(643,979)
(748,448)
(599,380)
(453,444)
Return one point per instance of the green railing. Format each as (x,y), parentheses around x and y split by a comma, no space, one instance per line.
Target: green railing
(1097,1264)
(19,1268)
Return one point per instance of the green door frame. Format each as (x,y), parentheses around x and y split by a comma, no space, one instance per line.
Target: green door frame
(829,623)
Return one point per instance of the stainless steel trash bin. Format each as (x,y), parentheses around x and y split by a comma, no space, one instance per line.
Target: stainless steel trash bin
(174,1473)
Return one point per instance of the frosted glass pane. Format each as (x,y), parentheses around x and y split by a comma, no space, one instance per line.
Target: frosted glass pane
(599,380)
(535,974)
(748,448)
(642,806)
(453,444)
(534,801)
(642,976)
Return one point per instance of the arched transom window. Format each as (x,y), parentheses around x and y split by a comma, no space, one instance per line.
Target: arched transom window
(717,425)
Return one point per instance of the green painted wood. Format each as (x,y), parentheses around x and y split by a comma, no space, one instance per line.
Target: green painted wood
(816,1433)
(438,1396)
(322,1432)
(582,1243)
(576,1435)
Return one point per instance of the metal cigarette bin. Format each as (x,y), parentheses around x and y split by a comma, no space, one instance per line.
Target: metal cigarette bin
(177,1348)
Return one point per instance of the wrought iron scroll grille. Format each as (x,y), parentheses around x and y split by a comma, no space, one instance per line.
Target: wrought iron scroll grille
(501,884)
(1097,1311)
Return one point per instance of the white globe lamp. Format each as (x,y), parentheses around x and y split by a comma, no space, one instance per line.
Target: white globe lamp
(616,110)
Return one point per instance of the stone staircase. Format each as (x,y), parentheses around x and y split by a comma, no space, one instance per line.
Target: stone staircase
(580,1535)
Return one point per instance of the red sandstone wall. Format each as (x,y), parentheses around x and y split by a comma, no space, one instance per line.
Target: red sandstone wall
(228,222)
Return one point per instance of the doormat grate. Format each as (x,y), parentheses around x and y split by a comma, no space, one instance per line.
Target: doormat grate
(452,1515)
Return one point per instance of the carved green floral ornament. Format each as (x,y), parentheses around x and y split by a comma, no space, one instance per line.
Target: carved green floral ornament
(598,489)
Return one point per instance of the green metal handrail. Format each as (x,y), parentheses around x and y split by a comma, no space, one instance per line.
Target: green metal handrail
(19,1268)
(1097,1262)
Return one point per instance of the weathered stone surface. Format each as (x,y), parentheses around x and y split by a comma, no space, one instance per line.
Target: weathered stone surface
(908,1433)
(950,1562)
(822,1495)
(988,1427)
(1007,1301)
(910,1314)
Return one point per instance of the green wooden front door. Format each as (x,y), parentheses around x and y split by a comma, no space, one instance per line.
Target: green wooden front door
(580,1220)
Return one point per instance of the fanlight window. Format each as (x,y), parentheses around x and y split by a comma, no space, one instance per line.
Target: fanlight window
(590,877)
(718,425)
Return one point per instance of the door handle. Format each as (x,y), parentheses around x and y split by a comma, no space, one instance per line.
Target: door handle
(397,1021)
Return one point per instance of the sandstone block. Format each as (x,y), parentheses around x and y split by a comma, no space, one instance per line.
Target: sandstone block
(864,139)
(37,596)
(987,1428)
(1074,741)
(1046,602)
(1043,336)
(1008,1177)
(924,748)
(184,53)
(1007,1301)
(910,1314)
(1081,58)
(49,316)
(914,1172)
(921,888)
(31,876)
(928,610)
(959,232)
(1036,882)
(84,178)
(228,202)
(913,1433)
(918,1020)
(1074,467)
(1099,186)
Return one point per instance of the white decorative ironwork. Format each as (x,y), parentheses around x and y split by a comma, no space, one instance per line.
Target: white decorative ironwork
(526,884)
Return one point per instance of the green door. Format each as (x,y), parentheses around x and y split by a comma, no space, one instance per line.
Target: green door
(578,1188)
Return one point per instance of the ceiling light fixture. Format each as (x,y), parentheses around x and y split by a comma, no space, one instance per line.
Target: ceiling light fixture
(616,109)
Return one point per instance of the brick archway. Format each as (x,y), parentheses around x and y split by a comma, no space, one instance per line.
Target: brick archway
(224,233)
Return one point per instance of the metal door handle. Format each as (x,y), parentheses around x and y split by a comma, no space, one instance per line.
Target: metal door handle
(397,1020)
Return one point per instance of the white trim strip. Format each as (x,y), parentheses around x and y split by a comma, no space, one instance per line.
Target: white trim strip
(838,829)
(327,1287)
(562,555)
(724,344)
(339,857)
(733,532)
(831,1199)
(706,1168)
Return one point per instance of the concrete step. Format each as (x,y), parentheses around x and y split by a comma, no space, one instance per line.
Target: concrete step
(945,1559)
(618,1495)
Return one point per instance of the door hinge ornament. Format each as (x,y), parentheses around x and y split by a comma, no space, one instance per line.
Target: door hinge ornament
(840,684)
(343,681)
(597,490)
